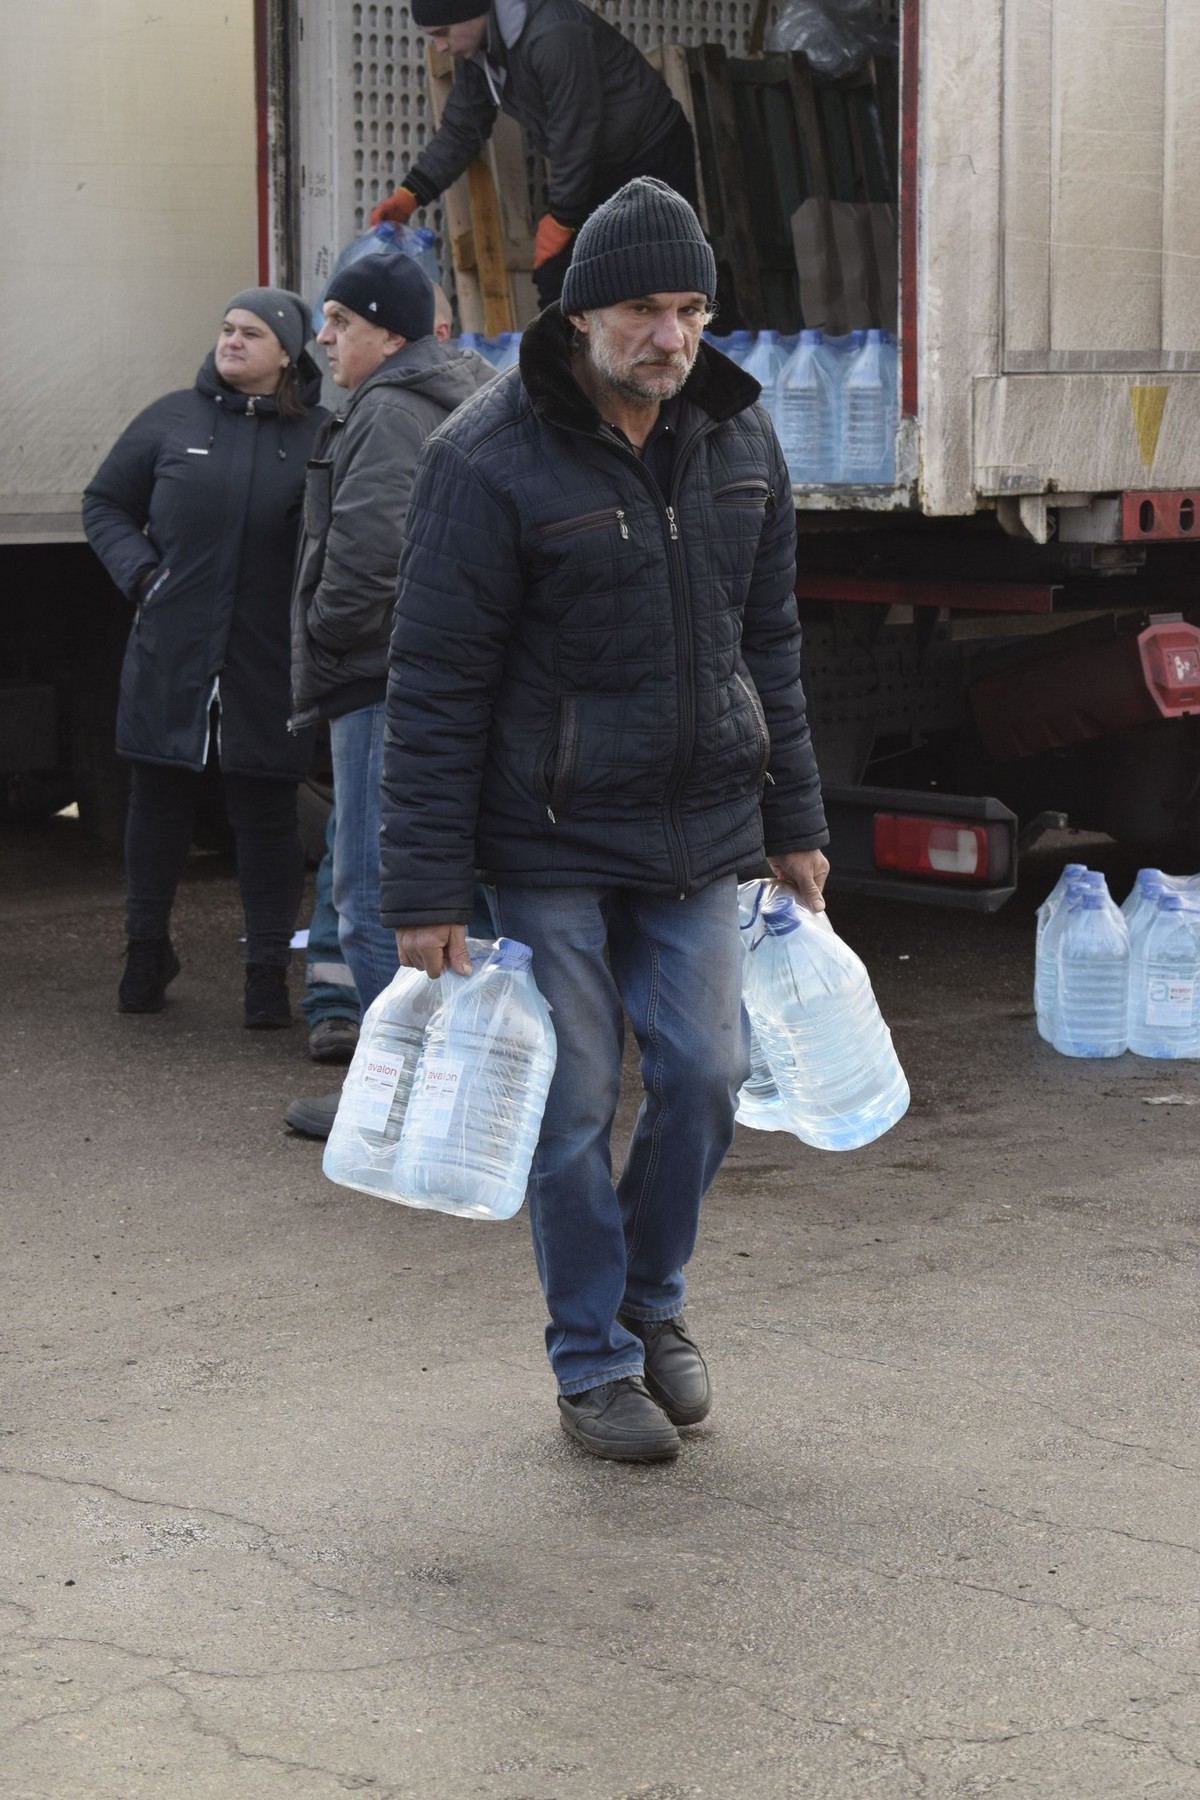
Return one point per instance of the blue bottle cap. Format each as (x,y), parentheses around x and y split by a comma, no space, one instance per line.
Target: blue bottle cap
(1168,902)
(1092,901)
(780,915)
(1070,870)
(812,337)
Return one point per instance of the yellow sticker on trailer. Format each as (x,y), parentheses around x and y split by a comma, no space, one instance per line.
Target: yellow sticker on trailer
(1149,404)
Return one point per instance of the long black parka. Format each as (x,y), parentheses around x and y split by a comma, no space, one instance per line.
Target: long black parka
(202,494)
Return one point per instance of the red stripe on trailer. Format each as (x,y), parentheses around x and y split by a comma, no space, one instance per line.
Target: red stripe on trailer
(910,44)
(262,140)
(958,596)
(1160,513)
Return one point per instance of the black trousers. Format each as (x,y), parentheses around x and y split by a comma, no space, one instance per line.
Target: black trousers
(672,159)
(270,857)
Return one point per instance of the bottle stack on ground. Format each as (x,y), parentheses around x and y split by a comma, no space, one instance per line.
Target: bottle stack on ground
(1109,980)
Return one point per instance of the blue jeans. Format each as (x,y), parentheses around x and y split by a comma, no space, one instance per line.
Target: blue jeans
(329,991)
(356,740)
(675,967)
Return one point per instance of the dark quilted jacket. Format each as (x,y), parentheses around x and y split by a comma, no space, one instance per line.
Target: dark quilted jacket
(590,680)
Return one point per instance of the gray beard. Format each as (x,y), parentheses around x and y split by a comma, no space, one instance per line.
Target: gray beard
(624,381)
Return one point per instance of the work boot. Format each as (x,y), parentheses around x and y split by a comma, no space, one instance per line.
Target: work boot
(619,1421)
(267,1005)
(675,1371)
(313,1118)
(150,966)
(332,1040)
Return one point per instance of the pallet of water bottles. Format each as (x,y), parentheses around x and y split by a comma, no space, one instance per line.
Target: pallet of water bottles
(1109,979)
(502,350)
(833,401)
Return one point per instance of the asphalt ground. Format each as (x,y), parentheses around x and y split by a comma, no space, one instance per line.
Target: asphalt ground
(287,1512)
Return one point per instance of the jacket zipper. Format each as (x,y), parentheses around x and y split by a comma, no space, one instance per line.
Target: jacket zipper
(564,766)
(760,722)
(593,521)
(749,494)
(683,625)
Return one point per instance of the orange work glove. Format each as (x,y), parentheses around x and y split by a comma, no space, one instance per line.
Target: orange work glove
(397,209)
(551,238)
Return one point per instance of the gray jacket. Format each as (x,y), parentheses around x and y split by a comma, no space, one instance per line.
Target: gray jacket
(355,505)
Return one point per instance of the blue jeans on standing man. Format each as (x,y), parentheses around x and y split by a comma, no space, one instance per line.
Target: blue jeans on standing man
(675,967)
(329,991)
(356,740)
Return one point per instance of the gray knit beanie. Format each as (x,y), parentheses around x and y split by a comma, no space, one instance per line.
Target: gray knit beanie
(282,310)
(645,240)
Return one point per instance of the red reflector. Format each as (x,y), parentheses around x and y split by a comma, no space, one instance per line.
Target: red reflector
(940,847)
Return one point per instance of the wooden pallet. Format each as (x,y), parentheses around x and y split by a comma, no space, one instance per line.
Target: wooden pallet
(488,223)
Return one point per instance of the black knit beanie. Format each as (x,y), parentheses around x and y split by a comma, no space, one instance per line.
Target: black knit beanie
(429,14)
(283,311)
(645,240)
(389,290)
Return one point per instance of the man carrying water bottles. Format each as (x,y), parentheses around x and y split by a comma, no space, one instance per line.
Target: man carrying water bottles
(595,701)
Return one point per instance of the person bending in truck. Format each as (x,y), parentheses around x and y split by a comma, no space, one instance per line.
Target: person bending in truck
(595,704)
(584,94)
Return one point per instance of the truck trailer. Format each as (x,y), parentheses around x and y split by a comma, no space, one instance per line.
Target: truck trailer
(1007,635)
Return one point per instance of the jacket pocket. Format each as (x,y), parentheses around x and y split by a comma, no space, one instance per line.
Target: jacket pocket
(758,494)
(760,725)
(152,591)
(558,767)
(318,497)
(609,516)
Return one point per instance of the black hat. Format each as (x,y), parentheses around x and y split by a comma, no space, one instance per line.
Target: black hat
(389,290)
(282,310)
(645,240)
(429,14)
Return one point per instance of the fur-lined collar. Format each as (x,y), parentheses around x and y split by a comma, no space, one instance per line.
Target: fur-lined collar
(716,385)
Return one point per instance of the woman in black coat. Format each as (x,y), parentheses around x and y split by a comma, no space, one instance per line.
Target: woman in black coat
(195,513)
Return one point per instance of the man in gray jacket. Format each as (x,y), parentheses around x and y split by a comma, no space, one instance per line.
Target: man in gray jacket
(378,336)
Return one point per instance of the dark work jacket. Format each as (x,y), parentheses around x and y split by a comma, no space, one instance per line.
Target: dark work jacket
(585,94)
(203,492)
(355,502)
(591,681)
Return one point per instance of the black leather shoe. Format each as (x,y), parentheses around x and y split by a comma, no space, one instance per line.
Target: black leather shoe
(150,966)
(619,1421)
(333,1040)
(675,1371)
(313,1118)
(267,1005)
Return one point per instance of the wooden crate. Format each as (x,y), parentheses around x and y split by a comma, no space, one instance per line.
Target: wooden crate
(488,222)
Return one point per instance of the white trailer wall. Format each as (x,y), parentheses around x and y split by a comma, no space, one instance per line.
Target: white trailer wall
(128,215)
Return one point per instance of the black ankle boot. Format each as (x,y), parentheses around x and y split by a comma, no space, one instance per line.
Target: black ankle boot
(150,966)
(267,1004)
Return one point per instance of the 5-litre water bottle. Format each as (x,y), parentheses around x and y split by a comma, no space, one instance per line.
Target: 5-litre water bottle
(1045,961)
(1093,979)
(476,1108)
(1164,981)
(806,411)
(361,1149)
(870,405)
(810,1000)
(765,362)
(416,241)
(758,1103)
(507,350)
(736,346)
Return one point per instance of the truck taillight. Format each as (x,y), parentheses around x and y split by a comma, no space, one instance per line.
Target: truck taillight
(916,846)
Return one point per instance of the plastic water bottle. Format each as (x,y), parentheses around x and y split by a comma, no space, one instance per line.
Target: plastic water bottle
(416,241)
(361,1148)
(1164,982)
(1141,901)
(810,1000)
(806,411)
(765,363)
(1093,979)
(870,405)
(1045,961)
(507,350)
(480,1090)
(736,346)
(759,1104)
